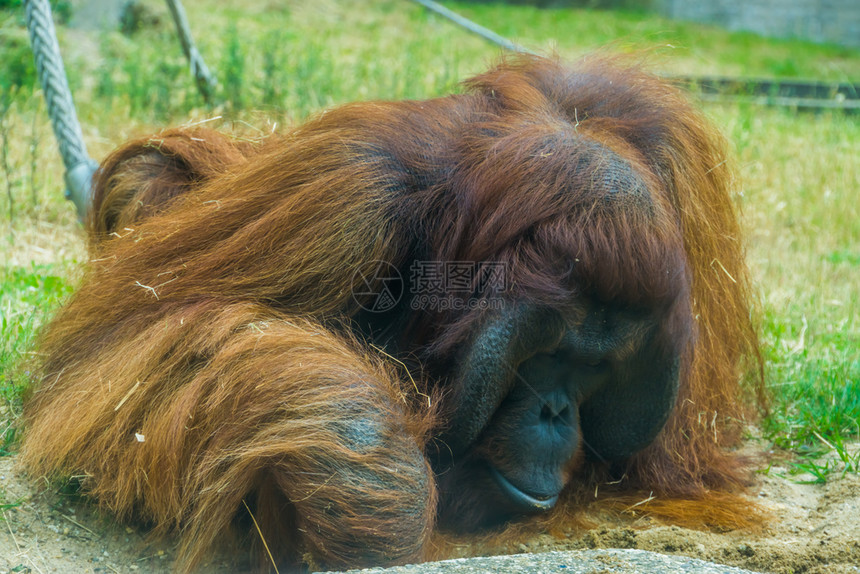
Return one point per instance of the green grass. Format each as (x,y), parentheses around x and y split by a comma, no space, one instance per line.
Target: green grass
(279,63)
(691,47)
(799,179)
(27,297)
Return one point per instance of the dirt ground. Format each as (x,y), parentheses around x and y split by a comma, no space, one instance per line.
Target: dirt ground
(815,529)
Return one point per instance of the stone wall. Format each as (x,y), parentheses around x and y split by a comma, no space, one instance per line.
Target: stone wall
(834,21)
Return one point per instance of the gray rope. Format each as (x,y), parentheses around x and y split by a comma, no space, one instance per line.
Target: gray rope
(206,82)
(61,108)
(464,22)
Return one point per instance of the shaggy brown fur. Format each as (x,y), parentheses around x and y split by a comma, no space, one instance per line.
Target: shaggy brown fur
(141,178)
(206,363)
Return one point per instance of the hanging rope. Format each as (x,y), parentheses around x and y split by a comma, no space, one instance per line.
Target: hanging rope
(61,109)
(464,22)
(206,82)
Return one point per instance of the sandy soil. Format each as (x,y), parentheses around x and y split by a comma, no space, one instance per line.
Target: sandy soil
(815,529)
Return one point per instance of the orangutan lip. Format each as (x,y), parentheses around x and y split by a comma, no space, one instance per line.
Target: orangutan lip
(523,498)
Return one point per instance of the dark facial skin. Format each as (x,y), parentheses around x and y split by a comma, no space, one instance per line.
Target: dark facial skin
(597,388)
